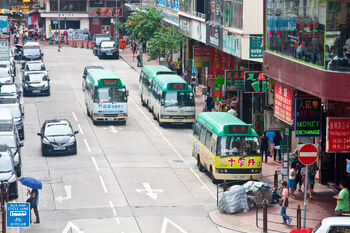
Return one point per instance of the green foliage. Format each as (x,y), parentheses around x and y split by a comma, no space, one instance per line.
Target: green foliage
(165,42)
(144,23)
(119,27)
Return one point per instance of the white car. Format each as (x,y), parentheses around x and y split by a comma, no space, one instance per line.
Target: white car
(32,44)
(333,225)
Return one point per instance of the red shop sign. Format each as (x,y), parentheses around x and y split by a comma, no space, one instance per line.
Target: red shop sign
(338,134)
(283,103)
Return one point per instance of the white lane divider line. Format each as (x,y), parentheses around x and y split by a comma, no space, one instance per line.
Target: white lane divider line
(103,185)
(80,129)
(174,149)
(113,208)
(95,163)
(117,220)
(87,145)
(75,117)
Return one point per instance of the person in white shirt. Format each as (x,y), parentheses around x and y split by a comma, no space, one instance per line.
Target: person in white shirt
(233,111)
(291,181)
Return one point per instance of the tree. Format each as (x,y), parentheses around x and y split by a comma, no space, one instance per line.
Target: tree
(165,42)
(144,23)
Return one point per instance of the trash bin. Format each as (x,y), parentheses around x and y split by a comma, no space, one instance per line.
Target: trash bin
(122,44)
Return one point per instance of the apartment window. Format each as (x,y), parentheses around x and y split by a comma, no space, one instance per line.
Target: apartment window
(66,5)
(95,21)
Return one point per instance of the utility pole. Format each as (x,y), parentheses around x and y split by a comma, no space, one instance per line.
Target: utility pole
(59,26)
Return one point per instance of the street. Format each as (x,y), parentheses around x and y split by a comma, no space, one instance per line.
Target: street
(133,178)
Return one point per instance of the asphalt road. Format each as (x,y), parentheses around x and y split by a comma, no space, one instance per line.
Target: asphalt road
(133,178)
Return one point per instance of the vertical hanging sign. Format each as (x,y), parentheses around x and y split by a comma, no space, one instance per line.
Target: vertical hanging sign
(283,103)
(308,117)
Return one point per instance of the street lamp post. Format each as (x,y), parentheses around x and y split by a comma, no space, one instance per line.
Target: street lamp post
(59,26)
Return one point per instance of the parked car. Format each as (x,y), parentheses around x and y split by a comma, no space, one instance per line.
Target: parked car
(10,138)
(36,83)
(85,72)
(329,225)
(33,66)
(31,53)
(96,40)
(17,116)
(58,137)
(7,171)
(10,63)
(107,49)
(11,98)
(12,89)
(6,75)
(32,43)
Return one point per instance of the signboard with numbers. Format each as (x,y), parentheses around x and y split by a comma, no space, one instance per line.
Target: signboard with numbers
(283,103)
(17,214)
(338,134)
(255,82)
(256,46)
(308,117)
(234,80)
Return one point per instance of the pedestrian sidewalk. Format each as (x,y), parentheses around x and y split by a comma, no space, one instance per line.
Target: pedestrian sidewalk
(127,56)
(322,205)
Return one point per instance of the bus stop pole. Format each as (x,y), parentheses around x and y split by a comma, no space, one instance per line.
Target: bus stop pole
(305,192)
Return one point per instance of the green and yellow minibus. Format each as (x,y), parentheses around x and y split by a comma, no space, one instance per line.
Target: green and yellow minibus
(226,147)
(166,95)
(105,96)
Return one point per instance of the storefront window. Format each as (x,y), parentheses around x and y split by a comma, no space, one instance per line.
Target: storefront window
(296,28)
(66,5)
(337,42)
(66,24)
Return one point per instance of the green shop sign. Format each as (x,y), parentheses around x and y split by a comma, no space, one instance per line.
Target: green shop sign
(231,45)
(255,46)
(234,80)
(256,82)
(308,117)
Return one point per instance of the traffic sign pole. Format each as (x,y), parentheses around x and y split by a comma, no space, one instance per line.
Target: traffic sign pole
(305,192)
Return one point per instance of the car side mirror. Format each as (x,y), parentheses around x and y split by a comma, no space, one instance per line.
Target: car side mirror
(76,132)
(48,80)
(13,75)
(22,113)
(48,69)
(20,144)
(127,92)
(39,134)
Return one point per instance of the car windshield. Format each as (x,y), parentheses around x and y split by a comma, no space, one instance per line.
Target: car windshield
(178,98)
(4,72)
(35,66)
(238,146)
(110,95)
(35,78)
(8,140)
(58,130)
(30,52)
(5,164)
(15,110)
(102,38)
(108,44)
(8,89)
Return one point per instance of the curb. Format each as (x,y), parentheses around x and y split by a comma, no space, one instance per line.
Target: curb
(131,66)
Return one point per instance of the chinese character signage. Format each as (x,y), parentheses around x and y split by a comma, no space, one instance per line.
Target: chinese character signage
(256,82)
(201,56)
(17,214)
(219,62)
(338,134)
(234,80)
(231,45)
(256,46)
(283,103)
(308,117)
(214,35)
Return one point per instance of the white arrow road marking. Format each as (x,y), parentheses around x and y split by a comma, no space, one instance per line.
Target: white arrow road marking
(71,226)
(166,222)
(81,130)
(68,189)
(87,145)
(112,129)
(75,117)
(103,185)
(152,193)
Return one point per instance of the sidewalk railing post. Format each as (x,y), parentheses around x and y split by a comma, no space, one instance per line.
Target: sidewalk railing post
(298,217)
(3,225)
(265,216)
(275,180)
(225,185)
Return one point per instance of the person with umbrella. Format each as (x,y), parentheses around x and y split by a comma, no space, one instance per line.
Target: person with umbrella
(35,185)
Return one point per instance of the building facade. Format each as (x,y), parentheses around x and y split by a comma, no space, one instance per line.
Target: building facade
(307,59)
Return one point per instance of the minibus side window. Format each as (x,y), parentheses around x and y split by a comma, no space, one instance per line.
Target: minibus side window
(197,130)
(208,139)
(203,135)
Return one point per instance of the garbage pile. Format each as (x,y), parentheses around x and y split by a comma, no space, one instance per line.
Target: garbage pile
(239,198)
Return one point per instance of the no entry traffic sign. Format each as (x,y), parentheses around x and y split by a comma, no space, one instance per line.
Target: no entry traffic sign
(308,154)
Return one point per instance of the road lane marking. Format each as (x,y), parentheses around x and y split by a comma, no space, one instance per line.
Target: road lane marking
(113,208)
(167,222)
(75,117)
(87,145)
(103,185)
(174,149)
(71,226)
(68,189)
(117,220)
(80,129)
(152,193)
(95,163)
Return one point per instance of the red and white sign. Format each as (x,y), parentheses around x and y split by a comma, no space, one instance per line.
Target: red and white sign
(338,134)
(283,103)
(308,154)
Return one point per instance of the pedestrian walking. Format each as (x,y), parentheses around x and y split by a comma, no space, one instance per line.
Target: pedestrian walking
(270,135)
(342,199)
(284,204)
(276,143)
(187,76)
(34,202)
(291,179)
(264,146)
(209,102)
(138,58)
(194,82)
(313,168)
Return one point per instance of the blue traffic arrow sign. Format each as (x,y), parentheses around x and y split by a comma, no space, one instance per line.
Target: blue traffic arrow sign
(17,214)
(348,165)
